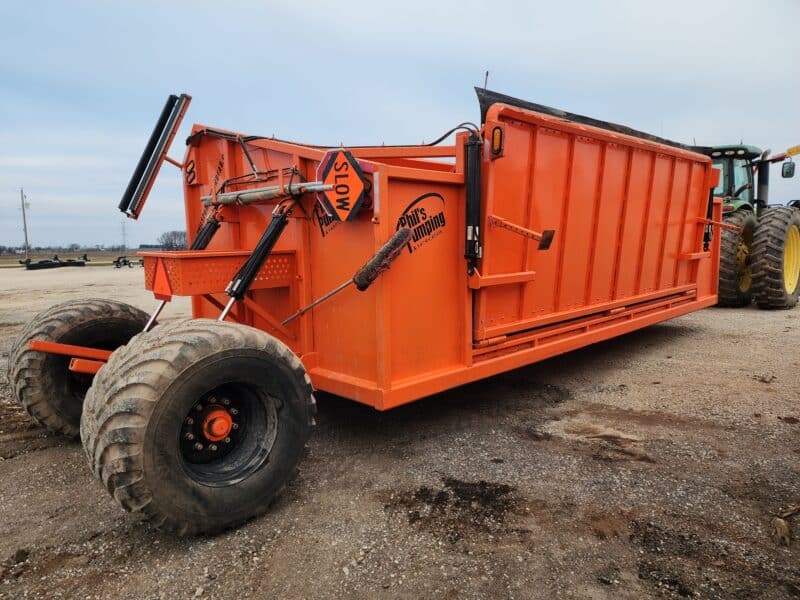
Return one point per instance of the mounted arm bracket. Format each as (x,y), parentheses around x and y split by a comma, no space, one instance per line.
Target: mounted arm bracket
(720,224)
(544,238)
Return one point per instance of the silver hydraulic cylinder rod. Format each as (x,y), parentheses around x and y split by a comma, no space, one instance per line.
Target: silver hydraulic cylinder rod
(266,193)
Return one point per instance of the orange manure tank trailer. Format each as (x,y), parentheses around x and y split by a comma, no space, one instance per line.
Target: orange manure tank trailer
(382,274)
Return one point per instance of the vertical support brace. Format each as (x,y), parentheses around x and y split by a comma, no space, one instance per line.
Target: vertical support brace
(472,245)
(762,186)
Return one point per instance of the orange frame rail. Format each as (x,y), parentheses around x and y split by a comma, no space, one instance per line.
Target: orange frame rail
(69,350)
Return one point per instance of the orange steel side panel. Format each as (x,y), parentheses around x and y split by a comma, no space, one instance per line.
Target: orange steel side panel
(627,252)
(623,210)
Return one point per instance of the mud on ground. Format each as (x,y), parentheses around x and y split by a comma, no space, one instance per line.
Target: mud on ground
(651,465)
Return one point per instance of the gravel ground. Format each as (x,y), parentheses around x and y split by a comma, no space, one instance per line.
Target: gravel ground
(651,465)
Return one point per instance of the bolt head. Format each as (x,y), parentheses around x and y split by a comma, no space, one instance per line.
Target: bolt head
(190,421)
(213,447)
(233,411)
(235,426)
(227,440)
(190,436)
(198,446)
(225,401)
(199,407)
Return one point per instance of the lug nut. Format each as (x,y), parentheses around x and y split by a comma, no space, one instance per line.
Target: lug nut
(190,421)
(198,446)
(213,447)
(233,411)
(227,440)
(189,436)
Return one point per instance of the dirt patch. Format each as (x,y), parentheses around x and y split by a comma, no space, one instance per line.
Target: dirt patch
(612,445)
(642,418)
(20,435)
(598,432)
(534,434)
(458,508)
(42,564)
(683,563)
(764,490)
(606,524)
(613,453)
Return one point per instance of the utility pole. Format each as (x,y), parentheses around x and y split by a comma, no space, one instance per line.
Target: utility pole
(24,219)
(124,237)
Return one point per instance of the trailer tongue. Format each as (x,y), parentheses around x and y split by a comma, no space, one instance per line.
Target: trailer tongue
(533,234)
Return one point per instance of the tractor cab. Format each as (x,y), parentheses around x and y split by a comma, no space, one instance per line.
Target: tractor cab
(738,164)
(736,185)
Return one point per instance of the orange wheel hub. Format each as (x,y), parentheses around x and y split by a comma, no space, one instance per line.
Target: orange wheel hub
(217,425)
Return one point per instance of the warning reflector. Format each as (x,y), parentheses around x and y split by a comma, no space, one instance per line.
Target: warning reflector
(162,289)
(340,170)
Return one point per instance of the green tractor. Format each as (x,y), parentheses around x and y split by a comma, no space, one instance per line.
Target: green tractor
(760,257)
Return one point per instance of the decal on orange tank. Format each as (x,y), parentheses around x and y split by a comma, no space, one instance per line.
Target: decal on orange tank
(325,222)
(425,218)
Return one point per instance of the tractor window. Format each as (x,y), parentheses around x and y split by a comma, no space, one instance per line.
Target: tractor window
(720,163)
(743,174)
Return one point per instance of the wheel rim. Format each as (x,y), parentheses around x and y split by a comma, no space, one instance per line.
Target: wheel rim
(791,260)
(744,272)
(228,434)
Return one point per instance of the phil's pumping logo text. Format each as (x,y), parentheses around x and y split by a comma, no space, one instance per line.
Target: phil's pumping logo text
(425,218)
(326,222)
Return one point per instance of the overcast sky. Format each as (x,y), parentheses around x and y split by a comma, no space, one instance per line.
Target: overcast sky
(81,83)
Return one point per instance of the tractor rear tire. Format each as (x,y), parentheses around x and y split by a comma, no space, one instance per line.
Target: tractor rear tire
(776,258)
(735,270)
(198,424)
(42,382)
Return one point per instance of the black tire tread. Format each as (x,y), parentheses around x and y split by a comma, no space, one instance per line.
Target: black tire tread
(24,364)
(125,390)
(729,293)
(767,258)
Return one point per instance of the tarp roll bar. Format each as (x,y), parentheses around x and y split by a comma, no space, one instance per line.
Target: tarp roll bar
(153,156)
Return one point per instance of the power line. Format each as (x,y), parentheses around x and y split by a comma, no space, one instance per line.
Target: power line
(24,204)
